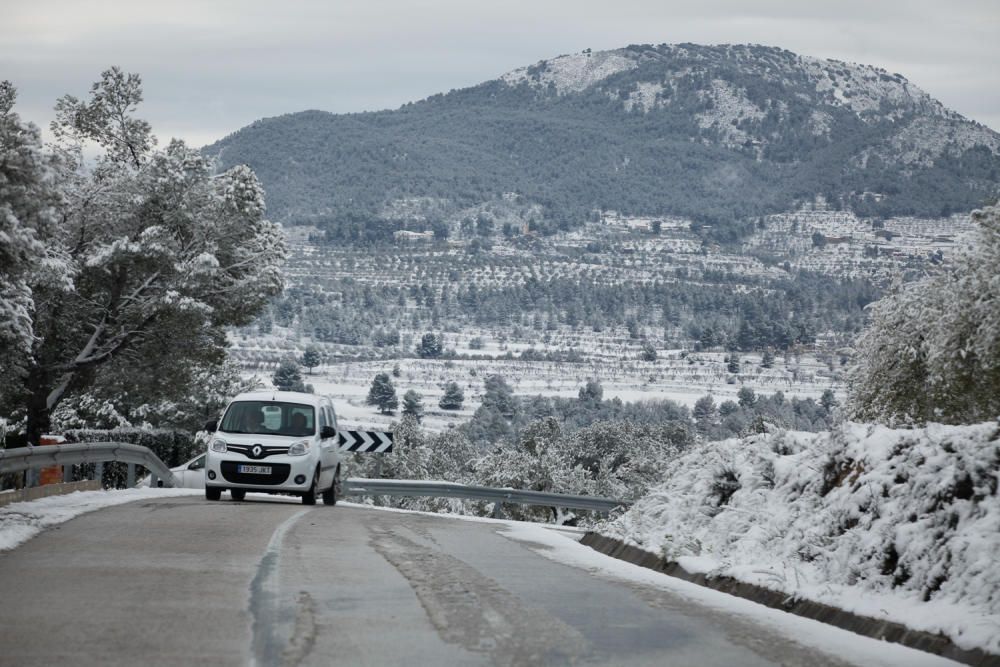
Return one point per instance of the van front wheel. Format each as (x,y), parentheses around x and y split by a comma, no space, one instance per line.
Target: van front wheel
(212,493)
(331,495)
(309,497)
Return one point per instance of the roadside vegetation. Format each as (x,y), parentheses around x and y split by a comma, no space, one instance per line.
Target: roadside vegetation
(123,270)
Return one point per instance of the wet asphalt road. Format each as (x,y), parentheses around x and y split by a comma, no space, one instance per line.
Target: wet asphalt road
(180,580)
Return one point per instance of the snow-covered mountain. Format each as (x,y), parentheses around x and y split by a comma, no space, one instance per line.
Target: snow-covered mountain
(720,134)
(656,77)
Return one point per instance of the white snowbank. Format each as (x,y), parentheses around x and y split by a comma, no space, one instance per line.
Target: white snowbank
(898,524)
(19,522)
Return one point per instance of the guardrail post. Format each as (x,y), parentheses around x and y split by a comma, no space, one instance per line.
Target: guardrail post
(130,476)
(153,480)
(99,473)
(68,473)
(498,510)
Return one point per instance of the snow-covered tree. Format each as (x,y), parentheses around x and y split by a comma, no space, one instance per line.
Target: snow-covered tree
(705,413)
(499,396)
(311,358)
(932,349)
(152,257)
(453,397)
(382,394)
(288,377)
(413,404)
(28,205)
(430,346)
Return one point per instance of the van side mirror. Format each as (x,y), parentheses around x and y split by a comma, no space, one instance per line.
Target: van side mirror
(327,432)
(211,426)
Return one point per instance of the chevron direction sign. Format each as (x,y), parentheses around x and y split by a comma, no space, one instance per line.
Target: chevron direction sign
(365,441)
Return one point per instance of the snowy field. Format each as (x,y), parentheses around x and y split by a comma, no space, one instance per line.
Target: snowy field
(900,524)
(683,380)
(627,253)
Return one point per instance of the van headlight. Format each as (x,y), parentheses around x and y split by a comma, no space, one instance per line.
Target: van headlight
(300,448)
(219,446)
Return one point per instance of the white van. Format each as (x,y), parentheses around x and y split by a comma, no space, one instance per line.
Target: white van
(275,442)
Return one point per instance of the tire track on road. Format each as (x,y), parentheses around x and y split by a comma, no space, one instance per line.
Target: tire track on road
(475,612)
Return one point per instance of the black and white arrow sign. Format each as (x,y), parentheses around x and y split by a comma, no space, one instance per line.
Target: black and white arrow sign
(365,441)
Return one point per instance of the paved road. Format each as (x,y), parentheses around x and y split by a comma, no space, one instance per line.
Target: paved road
(182,581)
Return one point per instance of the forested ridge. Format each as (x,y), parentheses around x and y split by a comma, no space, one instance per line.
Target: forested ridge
(716,134)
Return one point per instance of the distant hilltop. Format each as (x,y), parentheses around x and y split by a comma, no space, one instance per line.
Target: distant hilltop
(719,134)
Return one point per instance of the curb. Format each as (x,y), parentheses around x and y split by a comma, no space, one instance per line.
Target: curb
(867,626)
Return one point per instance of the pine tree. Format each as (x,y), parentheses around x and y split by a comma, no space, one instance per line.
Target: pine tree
(382,394)
(429,347)
(311,358)
(733,366)
(648,352)
(27,211)
(453,397)
(499,395)
(413,404)
(592,392)
(767,360)
(288,377)
(704,413)
(154,256)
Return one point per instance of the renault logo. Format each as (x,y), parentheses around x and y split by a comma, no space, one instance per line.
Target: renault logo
(256,451)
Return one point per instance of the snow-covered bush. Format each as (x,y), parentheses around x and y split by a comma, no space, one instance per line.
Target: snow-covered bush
(538,462)
(911,514)
(418,455)
(932,351)
(614,459)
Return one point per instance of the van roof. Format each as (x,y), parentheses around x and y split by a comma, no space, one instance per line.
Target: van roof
(286,396)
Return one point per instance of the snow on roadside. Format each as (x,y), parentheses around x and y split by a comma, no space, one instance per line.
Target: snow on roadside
(889,523)
(19,522)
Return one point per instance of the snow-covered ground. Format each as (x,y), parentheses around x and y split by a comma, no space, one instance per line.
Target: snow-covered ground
(683,380)
(897,524)
(19,522)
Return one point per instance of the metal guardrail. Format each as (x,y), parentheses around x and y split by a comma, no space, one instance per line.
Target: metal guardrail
(415,488)
(27,458)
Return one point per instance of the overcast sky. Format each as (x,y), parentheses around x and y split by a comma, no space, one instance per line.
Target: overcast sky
(211,67)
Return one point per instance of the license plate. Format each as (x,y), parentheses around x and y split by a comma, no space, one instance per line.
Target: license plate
(255,470)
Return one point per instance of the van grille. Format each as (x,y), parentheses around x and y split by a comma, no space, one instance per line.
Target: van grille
(248,451)
(279,473)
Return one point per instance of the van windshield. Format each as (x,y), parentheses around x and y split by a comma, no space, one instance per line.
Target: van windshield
(269,418)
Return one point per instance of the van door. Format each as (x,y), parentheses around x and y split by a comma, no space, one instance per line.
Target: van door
(328,450)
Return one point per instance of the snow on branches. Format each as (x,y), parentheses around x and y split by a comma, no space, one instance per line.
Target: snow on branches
(152,256)
(932,351)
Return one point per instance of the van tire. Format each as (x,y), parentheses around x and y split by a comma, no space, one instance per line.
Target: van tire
(309,497)
(331,495)
(213,493)
(238,494)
